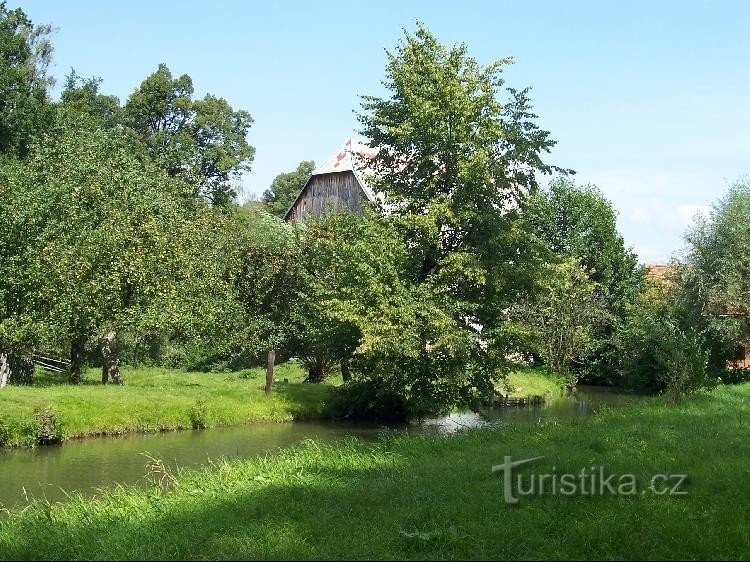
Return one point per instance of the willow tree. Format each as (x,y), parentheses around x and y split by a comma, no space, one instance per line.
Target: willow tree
(106,243)
(456,155)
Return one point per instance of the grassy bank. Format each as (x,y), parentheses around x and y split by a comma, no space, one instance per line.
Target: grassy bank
(157,400)
(434,497)
(537,381)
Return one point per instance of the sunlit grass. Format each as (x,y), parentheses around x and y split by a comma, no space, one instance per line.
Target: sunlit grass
(532,382)
(156,399)
(433,497)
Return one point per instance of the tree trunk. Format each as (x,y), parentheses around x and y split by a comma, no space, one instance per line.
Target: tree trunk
(4,369)
(76,359)
(269,371)
(345,372)
(111,362)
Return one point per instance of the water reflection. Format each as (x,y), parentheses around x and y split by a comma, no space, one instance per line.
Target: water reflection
(89,464)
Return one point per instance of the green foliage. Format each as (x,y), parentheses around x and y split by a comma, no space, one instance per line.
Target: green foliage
(47,428)
(199,414)
(25,54)
(285,187)
(82,96)
(453,161)
(264,270)
(660,349)
(140,259)
(562,317)
(715,277)
(202,141)
(579,223)
(368,400)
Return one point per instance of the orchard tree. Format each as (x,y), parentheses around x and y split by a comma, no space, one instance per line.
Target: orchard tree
(285,188)
(105,243)
(264,269)
(201,141)
(25,54)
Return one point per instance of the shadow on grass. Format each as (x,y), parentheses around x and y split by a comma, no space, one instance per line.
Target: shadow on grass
(426,498)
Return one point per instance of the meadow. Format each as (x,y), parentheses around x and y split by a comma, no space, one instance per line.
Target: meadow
(432,497)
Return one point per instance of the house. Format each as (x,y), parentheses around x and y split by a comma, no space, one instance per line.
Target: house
(338,185)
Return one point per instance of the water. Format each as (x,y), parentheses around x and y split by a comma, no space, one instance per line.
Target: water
(89,464)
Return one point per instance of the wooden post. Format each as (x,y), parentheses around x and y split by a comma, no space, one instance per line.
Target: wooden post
(269,371)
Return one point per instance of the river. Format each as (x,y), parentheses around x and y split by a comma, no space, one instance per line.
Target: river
(89,464)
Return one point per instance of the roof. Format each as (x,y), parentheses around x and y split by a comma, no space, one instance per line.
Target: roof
(353,156)
(659,272)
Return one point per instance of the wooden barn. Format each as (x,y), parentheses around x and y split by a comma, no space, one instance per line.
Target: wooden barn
(338,185)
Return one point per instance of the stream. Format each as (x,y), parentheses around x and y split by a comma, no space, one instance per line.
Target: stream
(86,465)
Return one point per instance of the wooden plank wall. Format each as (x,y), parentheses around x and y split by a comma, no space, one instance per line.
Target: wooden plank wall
(339,191)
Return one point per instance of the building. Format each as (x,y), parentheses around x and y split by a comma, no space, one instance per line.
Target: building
(338,185)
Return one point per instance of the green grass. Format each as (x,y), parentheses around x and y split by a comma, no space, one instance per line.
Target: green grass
(533,382)
(157,400)
(433,497)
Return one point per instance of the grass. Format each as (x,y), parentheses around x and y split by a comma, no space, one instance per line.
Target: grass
(535,381)
(432,497)
(157,400)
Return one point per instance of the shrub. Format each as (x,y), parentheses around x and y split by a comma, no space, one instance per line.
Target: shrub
(367,400)
(46,428)
(199,415)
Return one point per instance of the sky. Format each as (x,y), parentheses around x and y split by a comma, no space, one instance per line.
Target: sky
(649,101)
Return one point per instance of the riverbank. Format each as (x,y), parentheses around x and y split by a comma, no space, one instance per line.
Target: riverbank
(433,497)
(157,399)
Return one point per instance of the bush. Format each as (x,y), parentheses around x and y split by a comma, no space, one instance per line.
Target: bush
(199,415)
(659,354)
(46,428)
(367,400)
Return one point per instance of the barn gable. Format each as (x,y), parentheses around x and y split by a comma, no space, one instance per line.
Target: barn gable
(338,185)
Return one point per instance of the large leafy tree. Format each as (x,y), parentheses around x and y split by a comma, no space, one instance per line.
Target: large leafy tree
(454,162)
(571,222)
(100,242)
(202,141)
(25,54)
(285,187)
(714,280)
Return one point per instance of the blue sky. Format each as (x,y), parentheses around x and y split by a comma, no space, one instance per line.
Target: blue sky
(648,100)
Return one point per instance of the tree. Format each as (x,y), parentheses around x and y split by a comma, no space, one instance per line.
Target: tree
(25,54)
(661,347)
(104,243)
(285,188)
(579,223)
(715,277)
(454,162)
(264,269)
(202,141)
(81,95)
(562,317)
